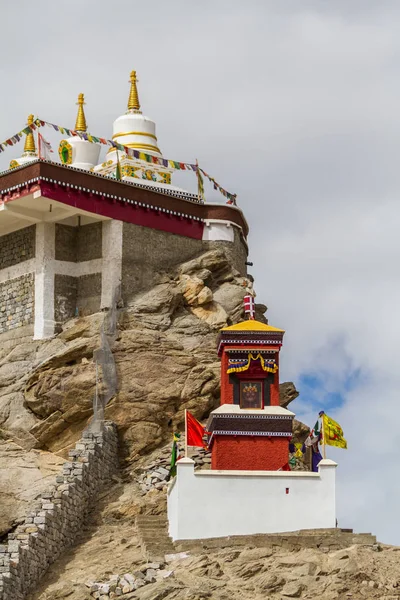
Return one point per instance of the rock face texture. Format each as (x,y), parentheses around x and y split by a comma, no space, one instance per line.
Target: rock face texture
(166,359)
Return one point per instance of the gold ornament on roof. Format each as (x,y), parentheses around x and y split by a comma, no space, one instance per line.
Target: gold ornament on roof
(133,101)
(80,124)
(30,141)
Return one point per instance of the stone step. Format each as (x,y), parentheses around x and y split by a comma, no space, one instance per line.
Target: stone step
(150,533)
(152,518)
(161,546)
(153,534)
(152,526)
(156,541)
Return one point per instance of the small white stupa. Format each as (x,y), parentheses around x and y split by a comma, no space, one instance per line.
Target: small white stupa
(76,151)
(134,130)
(30,154)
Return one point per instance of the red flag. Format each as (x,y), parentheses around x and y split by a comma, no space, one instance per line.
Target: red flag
(194,431)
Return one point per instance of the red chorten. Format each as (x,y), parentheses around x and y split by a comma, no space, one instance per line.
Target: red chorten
(250,430)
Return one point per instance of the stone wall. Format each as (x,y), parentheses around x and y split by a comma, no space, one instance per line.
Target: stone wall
(147,254)
(81,243)
(58,515)
(65,295)
(17,247)
(66,242)
(17,302)
(237,251)
(89,240)
(88,294)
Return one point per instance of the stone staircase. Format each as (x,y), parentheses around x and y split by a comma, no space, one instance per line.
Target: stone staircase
(152,531)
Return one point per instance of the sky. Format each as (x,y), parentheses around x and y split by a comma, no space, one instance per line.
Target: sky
(295,107)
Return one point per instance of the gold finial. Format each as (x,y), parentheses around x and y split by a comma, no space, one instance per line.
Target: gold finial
(80,124)
(30,141)
(133,102)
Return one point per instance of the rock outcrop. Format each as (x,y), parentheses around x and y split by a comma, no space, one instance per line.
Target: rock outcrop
(165,354)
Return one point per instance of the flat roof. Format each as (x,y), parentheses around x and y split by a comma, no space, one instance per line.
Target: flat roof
(87,181)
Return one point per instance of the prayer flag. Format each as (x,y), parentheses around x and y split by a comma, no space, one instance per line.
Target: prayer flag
(174,455)
(200,184)
(44,147)
(333,433)
(194,432)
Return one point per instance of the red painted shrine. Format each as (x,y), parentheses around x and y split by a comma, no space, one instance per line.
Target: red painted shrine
(250,430)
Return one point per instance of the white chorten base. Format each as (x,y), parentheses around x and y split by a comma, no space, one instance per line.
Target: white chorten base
(209,504)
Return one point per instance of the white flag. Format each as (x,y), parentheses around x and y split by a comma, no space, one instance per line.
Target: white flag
(45,148)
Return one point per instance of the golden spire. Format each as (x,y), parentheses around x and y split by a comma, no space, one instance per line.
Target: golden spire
(133,102)
(30,141)
(80,124)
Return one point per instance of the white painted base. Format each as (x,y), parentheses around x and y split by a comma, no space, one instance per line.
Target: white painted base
(85,155)
(218,231)
(210,504)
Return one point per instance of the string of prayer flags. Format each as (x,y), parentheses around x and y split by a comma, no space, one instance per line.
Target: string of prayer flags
(231,197)
(143,156)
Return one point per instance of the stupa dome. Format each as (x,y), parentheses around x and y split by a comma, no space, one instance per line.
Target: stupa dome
(133,129)
(77,151)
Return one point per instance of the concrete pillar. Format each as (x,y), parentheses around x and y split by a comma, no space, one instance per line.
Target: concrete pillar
(44,281)
(327,506)
(112,260)
(180,505)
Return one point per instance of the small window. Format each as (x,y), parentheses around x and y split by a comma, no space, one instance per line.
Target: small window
(251,394)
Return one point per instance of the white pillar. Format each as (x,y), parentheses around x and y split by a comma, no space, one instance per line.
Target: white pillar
(44,281)
(180,507)
(111,273)
(327,503)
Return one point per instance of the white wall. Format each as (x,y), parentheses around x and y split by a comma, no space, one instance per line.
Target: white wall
(221,503)
(219,230)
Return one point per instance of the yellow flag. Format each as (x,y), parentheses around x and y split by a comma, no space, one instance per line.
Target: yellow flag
(333,433)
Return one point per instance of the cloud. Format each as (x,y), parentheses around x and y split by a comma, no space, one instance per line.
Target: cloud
(294,105)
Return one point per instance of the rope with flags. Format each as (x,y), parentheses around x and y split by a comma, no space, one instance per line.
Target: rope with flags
(142,156)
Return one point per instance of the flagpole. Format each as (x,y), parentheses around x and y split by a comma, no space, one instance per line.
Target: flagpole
(198,181)
(323,438)
(186,438)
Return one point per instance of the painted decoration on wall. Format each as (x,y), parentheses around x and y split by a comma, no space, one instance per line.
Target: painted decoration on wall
(251,394)
(65,152)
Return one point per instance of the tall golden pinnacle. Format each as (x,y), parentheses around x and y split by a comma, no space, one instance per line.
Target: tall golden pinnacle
(133,102)
(80,124)
(30,141)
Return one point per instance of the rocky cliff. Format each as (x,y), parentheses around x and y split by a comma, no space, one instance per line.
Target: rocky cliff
(165,354)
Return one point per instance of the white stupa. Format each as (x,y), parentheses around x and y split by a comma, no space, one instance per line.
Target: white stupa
(76,151)
(134,130)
